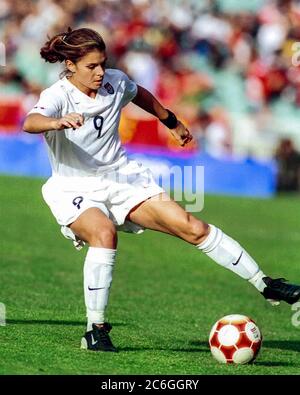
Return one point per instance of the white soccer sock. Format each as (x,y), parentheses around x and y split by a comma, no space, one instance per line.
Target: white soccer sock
(97,275)
(228,253)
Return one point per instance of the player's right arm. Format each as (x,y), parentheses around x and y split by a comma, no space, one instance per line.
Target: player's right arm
(38,123)
(46,115)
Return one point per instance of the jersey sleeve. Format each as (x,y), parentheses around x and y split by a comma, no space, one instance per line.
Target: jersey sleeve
(49,104)
(130,90)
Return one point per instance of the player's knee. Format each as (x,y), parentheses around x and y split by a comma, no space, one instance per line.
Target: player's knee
(104,236)
(198,231)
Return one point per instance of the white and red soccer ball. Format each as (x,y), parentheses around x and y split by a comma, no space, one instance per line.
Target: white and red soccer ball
(235,338)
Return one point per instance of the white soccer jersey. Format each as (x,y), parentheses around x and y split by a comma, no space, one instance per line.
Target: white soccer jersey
(95,147)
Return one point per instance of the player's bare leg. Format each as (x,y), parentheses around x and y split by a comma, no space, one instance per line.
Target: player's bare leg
(95,228)
(162,214)
(99,232)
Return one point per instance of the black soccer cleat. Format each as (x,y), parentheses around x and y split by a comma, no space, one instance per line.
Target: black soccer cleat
(278,289)
(98,339)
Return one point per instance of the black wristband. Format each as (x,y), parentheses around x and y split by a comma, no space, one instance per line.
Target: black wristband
(171,121)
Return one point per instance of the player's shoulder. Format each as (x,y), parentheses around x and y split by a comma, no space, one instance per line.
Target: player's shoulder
(115,75)
(114,81)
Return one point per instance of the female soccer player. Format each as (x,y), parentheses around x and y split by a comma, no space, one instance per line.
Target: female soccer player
(95,189)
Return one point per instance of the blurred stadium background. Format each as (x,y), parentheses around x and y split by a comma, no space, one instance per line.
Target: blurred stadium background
(227,68)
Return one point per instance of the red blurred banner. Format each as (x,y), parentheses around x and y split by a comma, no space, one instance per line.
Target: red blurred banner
(150,133)
(11,114)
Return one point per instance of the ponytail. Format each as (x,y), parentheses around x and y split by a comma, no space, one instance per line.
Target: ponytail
(72,45)
(52,51)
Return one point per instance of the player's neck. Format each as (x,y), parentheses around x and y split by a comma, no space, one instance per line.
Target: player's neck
(84,89)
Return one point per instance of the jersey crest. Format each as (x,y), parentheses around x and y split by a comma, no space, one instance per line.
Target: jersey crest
(109,88)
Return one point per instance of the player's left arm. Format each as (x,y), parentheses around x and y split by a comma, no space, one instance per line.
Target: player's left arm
(145,100)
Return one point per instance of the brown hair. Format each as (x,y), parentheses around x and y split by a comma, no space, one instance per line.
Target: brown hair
(71,45)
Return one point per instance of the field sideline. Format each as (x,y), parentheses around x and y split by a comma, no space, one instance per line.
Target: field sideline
(165,296)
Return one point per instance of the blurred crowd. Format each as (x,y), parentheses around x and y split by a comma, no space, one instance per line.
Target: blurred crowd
(228,68)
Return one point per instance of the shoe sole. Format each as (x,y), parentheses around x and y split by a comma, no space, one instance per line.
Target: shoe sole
(274,302)
(84,345)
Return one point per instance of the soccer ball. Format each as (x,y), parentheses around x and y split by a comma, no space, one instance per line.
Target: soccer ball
(235,338)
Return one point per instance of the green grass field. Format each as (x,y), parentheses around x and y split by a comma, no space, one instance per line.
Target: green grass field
(165,296)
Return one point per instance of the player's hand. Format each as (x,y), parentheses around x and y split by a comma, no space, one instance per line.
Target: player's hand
(181,134)
(72,120)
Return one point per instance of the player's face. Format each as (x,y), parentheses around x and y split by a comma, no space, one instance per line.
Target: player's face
(89,71)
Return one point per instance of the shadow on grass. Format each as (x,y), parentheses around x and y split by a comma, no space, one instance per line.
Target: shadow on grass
(198,347)
(292,345)
(53,322)
(203,344)
(170,349)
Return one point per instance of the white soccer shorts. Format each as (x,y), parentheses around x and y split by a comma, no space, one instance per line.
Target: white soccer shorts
(115,193)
